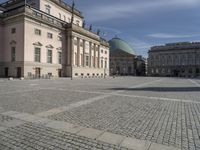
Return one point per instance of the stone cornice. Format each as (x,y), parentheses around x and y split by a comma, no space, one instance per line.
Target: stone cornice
(104,43)
(85,32)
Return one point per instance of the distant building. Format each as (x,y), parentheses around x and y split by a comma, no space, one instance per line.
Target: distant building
(48,38)
(140,66)
(176,60)
(123,59)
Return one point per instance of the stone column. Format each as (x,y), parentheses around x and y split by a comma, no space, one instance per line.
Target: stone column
(90,55)
(94,56)
(72,54)
(72,49)
(83,53)
(99,58)
(78,52)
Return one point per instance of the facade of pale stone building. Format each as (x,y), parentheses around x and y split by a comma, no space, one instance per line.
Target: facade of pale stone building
(37,39)
(176,59)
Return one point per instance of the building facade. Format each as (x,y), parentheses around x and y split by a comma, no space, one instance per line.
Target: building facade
(176,60)
(123,59)
(48,38)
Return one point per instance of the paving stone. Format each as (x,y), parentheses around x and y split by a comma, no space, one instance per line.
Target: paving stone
(9,113)
(111,138)
(165,112)
(90,133)
(8,122)
(32,136)
(136,144)
(2,128)
(155,146)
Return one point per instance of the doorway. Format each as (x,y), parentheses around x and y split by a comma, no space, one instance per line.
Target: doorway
(59,72)
(6,70)
(19,72)
(37,72)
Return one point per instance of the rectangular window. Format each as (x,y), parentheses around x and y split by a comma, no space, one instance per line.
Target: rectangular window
(37,54)
(49,56)
(87,61)
(106,64)
(13,53)
(37,32)
(59,15)
(13,30)
(59,57)
(102,63)
(49,35)
(47,9)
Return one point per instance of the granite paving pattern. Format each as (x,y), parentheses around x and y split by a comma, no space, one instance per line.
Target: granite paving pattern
(165,112)
(36,137)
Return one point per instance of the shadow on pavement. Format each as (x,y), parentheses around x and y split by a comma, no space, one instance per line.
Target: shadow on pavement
(161,89)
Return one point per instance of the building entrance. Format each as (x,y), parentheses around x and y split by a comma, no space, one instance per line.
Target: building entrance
(37,72)
(59,72)
(6,72)
(19,72)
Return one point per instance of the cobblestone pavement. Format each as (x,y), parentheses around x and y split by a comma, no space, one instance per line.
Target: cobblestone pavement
(36,137)
(166,111)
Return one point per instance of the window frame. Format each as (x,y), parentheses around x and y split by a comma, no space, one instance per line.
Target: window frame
(38,32)
(13,30)
(49,35)
(13,54)
(37,56)
(49,57)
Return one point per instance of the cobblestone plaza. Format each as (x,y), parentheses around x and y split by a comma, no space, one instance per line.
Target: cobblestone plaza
(140,113)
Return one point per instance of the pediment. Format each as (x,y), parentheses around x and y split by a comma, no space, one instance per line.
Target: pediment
(37,44)
(59,48)
(48,6)
(49,46)
(13,42)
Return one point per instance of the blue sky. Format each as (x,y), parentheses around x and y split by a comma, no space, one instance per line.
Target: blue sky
(143,23)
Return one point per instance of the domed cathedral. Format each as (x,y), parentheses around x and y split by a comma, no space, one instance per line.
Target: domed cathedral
(123,59)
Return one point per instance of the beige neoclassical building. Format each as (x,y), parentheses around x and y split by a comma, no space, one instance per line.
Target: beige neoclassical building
(48,37)
(175,59)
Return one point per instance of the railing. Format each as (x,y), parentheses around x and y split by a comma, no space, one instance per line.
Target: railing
(52,20)
(43,16)
(35,13)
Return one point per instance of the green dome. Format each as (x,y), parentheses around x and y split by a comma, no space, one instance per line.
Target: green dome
(119,44)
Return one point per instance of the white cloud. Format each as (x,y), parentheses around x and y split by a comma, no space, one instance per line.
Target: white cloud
(171,36)
(123,9)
